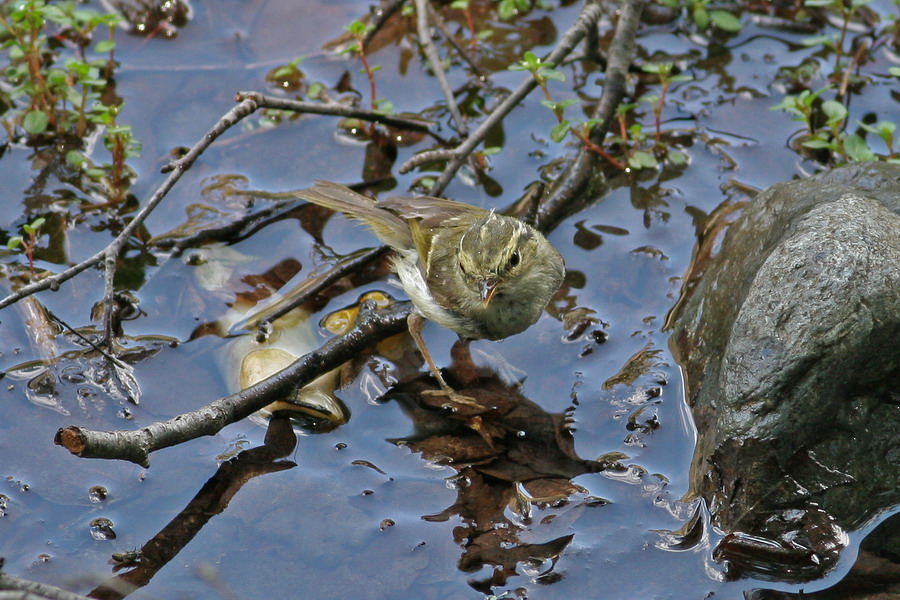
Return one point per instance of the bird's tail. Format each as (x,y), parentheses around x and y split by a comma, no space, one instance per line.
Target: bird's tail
(390,228)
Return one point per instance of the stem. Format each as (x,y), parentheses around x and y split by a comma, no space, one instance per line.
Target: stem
(657,110)
(369,73)
(470,23)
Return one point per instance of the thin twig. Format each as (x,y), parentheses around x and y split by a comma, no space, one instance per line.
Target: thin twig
(434,60)
(588,18)
(372,326)
(426,157)
(583,179)
(38,590)
(338,109)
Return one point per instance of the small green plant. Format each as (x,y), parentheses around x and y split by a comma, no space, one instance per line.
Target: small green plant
(28,243)
(836,42)
(543,74)
(58,89)
(58,96)
(826,123)
(703,17)
(664,71)
(359,30)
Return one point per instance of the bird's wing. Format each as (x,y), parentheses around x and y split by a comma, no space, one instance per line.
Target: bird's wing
(431,212)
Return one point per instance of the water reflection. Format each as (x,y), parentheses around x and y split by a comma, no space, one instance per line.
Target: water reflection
(509,455)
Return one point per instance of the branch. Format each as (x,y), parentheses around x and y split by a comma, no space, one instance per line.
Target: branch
(32,590)
(583,179)
(111,252)
(135,446)
(336,109)
(212,499)
(588,18)
(434,60)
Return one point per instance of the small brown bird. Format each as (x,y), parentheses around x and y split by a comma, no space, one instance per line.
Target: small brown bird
(480,274)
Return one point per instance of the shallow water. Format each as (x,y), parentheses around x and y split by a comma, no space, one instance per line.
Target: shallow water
(320,528)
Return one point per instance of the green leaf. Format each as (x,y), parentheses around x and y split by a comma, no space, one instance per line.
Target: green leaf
(725,21)
(818,143)
(506,9)
(552,74)
(857,149)
(35,121)
(75,158)
(14,242)
(835,111)
(559,131)
(314,90)
(818,2)
(642,160)
(460,4)
(678,159)
(491,150)
(104,46)
(701,17)
(357,29)
(816,40)
(895,71)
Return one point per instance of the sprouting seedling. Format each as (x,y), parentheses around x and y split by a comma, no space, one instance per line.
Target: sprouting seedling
(666,79)
(848,12)
(28,243)
(544,73)
(358,30)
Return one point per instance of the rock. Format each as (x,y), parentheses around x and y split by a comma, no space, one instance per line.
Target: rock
(789,348)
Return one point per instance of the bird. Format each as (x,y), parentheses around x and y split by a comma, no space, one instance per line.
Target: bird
(478,273)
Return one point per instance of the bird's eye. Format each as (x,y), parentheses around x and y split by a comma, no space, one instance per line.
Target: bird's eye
(514,259)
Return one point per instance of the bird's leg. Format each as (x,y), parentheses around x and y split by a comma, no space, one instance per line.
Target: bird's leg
(415,323)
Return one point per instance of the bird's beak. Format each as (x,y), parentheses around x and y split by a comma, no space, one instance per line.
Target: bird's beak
(488,288)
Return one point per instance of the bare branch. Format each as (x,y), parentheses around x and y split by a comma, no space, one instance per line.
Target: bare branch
(583,179)
(434,60)
(372,326)
(33,590)
(336,109)
(588,18)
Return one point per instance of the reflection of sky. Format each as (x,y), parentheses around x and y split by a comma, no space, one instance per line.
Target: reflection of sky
(312,528)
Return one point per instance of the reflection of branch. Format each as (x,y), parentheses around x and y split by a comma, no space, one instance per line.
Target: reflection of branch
(135,446)
(583,178)
(211,500)
(435,61)
(586,20)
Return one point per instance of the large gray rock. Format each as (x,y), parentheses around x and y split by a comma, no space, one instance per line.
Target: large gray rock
(790,343)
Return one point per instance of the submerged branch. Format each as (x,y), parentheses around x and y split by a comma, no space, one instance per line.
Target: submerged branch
(372,326)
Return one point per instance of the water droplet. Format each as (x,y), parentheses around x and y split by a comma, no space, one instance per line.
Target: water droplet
(102,529)
(97,494)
